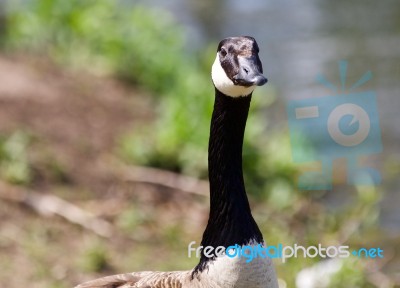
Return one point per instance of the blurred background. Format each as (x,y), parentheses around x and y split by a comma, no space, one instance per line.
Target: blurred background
(105,109)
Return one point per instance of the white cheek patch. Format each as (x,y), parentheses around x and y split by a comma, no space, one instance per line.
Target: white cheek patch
(224,84)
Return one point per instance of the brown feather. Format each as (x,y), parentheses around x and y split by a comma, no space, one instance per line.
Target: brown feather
(140,280)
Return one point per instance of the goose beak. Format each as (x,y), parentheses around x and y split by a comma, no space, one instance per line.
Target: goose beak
(250,72)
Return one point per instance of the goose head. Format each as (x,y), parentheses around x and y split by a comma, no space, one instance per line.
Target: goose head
(237,68)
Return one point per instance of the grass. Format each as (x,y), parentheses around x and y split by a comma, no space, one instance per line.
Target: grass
(137,46)
(132,44)
(14,163)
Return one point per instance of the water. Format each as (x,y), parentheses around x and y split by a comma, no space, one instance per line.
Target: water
(301,40)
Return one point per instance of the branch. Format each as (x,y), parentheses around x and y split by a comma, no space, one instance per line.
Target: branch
(49,205)
(164,178)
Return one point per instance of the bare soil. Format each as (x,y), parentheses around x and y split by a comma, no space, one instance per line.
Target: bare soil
(76,120)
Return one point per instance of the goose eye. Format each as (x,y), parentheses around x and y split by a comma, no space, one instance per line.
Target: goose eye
(223,52)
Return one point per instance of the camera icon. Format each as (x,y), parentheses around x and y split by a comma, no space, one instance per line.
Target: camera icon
(331,127)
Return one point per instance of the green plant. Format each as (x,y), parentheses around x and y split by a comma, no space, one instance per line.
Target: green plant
(145,47)
(352,274)
(139,44)
(95,258)
(14,162)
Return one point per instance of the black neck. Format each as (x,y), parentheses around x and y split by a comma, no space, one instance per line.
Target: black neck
(230,220)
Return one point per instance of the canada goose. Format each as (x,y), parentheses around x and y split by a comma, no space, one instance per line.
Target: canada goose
(236,71)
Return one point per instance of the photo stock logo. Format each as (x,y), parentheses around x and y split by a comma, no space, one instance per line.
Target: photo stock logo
(342,125)
(283,252)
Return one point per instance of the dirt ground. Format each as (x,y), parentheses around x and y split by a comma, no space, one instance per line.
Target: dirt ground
(76,116)
(75,121)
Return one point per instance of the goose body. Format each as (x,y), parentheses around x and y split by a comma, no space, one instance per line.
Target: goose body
(236,71)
